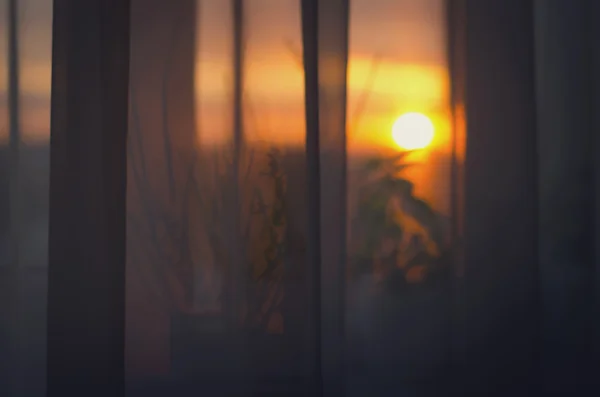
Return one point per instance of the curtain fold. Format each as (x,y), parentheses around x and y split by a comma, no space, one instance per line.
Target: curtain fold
(87,219)
(161,153)
(525,72)
(566,99)
(325,35)
(501,199)
(527,77)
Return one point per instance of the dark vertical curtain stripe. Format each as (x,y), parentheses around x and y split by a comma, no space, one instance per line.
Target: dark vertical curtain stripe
(457,35)
(594,29)
(325,36)
(565,100)
(333,60)
(238,275)
(86,276)
(502,305)
(311,104)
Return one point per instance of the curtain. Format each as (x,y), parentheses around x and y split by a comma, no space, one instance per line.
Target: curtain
(162,135)
(566,100)
(87,218)
(529,304)
(25,64)
(325,35)
(216,197)
(237,254)
(501,263)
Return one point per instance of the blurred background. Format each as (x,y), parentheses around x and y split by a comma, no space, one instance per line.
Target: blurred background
(235,285)
(218,283)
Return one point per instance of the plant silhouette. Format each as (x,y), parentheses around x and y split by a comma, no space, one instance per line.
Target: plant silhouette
(397,236)
(260,239)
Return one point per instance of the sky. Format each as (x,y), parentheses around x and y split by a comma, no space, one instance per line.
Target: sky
(35,55)
(397,64)
(403,41)
(407,36)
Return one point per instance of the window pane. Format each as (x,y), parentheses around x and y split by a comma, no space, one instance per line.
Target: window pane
(24,177)
(402,148)
(217,284)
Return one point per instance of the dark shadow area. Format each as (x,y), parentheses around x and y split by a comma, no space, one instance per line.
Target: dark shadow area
(23,289)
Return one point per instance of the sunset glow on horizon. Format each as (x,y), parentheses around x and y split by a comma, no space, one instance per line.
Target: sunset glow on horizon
(390,72)
(246,165)
(274,100)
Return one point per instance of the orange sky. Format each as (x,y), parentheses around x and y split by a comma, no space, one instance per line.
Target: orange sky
(36,47)
(407,35)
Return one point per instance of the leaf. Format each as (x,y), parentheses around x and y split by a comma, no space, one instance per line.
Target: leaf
(389,162)
(401,155)
(398,168)
(374,163)
(397,186)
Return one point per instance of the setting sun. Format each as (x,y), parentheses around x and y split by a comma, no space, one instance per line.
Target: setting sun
(413,131)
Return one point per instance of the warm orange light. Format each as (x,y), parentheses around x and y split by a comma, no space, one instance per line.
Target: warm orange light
(413,131)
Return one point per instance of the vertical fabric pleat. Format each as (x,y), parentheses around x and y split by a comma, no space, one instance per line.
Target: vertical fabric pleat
(325,33)
(333,60)
(161,150)
(87,219)
(501,200)
(565,110)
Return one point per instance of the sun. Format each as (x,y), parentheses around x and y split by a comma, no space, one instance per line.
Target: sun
(413,131)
